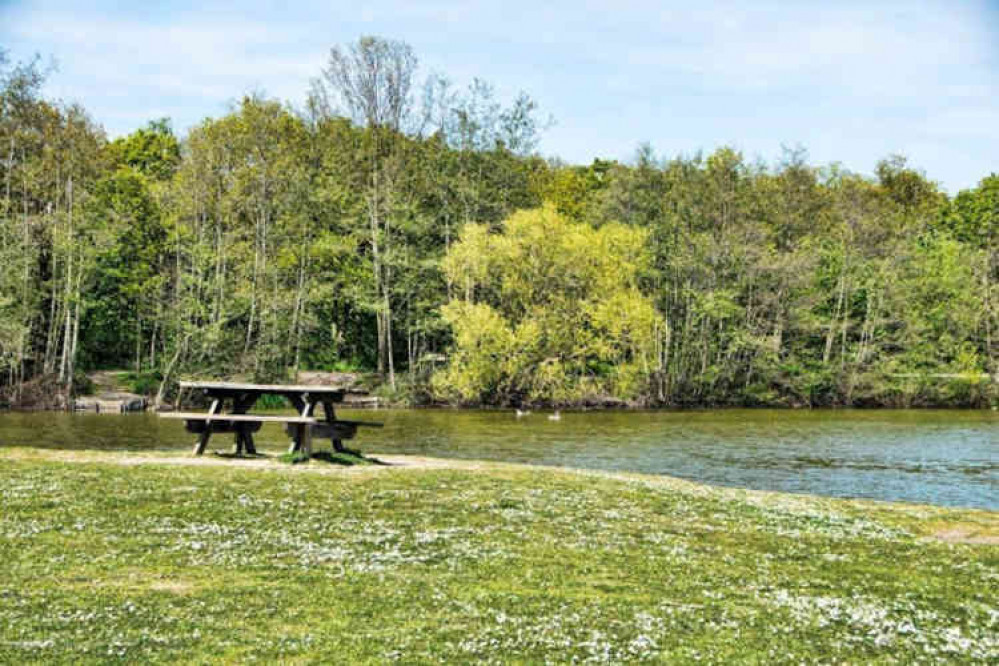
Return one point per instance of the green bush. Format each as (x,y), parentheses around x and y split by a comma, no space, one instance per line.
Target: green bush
(143,383)
(549,311)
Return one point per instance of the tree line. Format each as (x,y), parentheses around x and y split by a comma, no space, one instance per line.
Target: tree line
(408,228)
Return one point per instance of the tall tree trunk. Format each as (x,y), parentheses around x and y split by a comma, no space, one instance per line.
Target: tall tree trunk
(387,304)
(152,345)
(411,352)
(26,256)
(138,343)
(296,324)
(388,339)
(373,217)
(52,330)
(68,329)
(168,371)
(263,330)
(987,302)
(76,337)
(831,333)
(253,288)
(10,172)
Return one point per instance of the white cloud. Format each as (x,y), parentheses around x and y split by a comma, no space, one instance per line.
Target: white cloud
(179,58)
(844,78)
(185,68)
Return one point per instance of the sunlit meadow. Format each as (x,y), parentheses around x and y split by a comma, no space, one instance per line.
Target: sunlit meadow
(100,561)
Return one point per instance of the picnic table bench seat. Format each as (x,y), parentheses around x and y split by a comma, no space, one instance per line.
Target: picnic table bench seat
(199,422)
(337,430)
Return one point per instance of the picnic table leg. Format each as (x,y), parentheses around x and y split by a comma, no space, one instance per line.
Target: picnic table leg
(199,447)
(298,404)
(248,445)
(330,414)
(306,440)
(303,432)
(244,440)
(241,446)
(302,439)
(338,446)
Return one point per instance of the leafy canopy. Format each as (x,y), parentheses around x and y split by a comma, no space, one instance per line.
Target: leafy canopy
(549,311)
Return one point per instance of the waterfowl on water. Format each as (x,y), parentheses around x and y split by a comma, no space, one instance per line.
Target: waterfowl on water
(521,414)
(555,416)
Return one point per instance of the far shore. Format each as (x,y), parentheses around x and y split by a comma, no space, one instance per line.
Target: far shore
(573,408)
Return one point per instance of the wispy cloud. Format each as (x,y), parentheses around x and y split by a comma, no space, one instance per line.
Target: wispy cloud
(853,80)
(211,61)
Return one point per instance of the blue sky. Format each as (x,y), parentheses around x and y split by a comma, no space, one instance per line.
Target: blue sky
(851,82)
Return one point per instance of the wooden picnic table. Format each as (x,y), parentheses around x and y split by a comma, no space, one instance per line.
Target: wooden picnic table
(241,399)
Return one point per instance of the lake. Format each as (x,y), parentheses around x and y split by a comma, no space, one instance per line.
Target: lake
(943,457)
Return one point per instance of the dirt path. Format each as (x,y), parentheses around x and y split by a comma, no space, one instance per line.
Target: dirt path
(107,381)
(384,462)
(959,535)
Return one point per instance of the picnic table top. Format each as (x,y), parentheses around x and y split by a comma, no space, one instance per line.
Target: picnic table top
(257,418)
(268,388)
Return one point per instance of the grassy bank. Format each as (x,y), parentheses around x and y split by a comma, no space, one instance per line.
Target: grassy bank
(115,557)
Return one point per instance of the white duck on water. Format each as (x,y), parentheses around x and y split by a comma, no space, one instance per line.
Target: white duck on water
(555,416)
(522,413)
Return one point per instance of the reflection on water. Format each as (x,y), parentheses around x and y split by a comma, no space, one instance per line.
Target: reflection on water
(940,457)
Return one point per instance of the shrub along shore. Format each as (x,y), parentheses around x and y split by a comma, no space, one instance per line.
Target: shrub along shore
(154,558)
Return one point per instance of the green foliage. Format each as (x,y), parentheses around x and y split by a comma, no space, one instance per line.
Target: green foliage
(128,280)
(82,384)
(549,311)
(143,383)
(152,150)
(271,402)
(271,241)
(572,190)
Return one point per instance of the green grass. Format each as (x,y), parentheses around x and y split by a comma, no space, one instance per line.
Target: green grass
(101,561)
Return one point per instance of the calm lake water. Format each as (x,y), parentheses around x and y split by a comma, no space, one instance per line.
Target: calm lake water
(938,457)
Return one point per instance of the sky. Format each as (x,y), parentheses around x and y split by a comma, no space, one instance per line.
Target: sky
(851,82)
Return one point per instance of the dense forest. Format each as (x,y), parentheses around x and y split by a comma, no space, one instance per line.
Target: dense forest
(407,228)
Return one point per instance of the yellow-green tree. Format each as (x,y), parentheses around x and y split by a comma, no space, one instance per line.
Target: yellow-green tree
(549,311)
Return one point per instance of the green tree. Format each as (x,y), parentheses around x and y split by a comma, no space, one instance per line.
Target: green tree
(549,311)
(129,280)
(152,150)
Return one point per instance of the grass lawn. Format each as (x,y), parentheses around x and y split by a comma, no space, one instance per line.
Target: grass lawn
(104,560)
